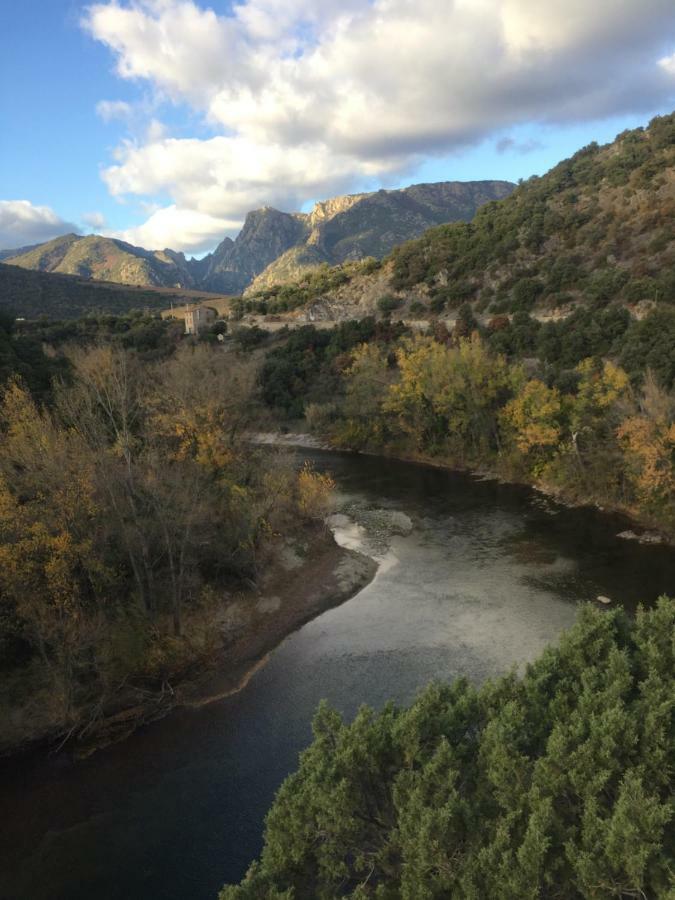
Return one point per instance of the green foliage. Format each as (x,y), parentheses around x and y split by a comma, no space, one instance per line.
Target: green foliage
(650,344)
(22,354)
(303,369)
(558,232)
(151,337)
(388,303)
(554,785)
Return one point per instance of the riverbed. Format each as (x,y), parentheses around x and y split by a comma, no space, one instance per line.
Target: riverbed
(475,578)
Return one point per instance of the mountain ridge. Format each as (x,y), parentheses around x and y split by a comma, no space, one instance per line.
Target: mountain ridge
(272,245)
(596,230)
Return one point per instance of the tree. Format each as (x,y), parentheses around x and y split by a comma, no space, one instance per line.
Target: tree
(648,438)
(534,417)
(450,396)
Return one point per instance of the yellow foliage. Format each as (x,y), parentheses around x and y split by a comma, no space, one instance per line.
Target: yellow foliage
(315,493)
(601,386)
(650,447)
(458,385)
(533,414)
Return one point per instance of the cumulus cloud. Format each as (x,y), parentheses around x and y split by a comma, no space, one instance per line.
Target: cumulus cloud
(183,229)
(22,223)
(350,90)
(113,109)
(95,220)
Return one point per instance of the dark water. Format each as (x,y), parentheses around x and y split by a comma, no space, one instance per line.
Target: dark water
(488,576)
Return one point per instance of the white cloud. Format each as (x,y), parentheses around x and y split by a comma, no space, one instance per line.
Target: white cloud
(310,96)
(95,220)
(22,223)
(113,109)
(182,229)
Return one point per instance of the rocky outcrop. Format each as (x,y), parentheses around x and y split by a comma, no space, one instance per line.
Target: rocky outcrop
(361,225)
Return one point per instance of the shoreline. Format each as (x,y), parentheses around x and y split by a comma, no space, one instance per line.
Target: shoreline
(650,532)
(252,626)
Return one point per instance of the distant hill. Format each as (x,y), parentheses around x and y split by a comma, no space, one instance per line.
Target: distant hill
(17,251)
(597,229)
(30,294)
(106,259)
(272,246)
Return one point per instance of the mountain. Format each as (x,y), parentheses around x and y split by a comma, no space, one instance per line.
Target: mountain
(106,259)
(272,246)
(597,229)
(356,226)
(266,235)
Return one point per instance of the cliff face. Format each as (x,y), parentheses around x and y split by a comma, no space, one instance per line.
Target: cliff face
(361,225)
(266,235)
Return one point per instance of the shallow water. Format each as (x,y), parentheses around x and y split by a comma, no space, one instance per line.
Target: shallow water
(487,577)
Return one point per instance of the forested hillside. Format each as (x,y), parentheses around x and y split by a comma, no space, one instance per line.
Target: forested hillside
(596,230)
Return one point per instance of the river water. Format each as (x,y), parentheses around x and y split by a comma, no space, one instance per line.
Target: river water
(488,575)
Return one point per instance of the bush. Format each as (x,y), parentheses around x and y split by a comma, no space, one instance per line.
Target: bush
(389,303)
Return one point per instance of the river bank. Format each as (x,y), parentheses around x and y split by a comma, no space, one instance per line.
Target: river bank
(637,527)
(310,575)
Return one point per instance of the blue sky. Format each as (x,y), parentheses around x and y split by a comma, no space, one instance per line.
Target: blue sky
(219,110)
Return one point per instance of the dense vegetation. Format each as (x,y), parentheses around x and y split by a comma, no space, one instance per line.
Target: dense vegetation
(151,337)
(131,507)
(598,227)
(23,355)
(556,785)
(573,419)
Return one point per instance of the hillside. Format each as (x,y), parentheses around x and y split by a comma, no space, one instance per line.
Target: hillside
(597,229)
(106,259)
(354,227)
(32,294)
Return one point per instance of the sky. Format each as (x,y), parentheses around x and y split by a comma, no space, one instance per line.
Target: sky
(162,122)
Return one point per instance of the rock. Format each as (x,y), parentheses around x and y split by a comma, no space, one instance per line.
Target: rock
(601,599)
(647,537)
(399,523)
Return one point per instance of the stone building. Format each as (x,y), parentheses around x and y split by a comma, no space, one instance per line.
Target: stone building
(197,318)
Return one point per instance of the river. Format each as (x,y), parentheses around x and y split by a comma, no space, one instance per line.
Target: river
(488,575)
